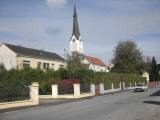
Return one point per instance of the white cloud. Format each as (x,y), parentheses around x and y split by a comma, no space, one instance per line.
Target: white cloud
(57,3)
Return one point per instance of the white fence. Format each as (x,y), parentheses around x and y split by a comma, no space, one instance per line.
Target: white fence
(113,89)
(76,94)
(34,94)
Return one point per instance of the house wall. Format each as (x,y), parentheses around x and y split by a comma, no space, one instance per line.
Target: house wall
(98,68)
(85,61)
(94,67)
(146,75)
(7,57)
(34,62)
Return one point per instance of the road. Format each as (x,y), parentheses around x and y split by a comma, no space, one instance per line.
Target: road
(119,106)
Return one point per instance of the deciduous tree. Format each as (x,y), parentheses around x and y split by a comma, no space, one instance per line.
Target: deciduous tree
(128,58)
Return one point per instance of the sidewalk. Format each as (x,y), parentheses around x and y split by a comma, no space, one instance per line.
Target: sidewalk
(44,103)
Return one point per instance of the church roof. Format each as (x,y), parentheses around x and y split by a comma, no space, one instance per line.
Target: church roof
(33,52)
(76,32)
(95,60)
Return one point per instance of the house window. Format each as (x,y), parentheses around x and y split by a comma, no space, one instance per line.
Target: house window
(39,65)
(61,66)
(46,66)
(26,64)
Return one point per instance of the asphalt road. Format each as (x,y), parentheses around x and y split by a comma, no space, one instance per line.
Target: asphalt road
(119,106)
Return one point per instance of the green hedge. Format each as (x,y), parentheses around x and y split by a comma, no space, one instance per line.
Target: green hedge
(116,78)
(13,82)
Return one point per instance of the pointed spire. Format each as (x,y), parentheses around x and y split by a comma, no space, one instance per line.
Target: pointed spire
(76,32)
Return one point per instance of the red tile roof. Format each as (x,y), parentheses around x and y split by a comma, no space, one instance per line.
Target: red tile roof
(95,60)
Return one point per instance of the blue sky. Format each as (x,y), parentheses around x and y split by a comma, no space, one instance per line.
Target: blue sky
(47,24)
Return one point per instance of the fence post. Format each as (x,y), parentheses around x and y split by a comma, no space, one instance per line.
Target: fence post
(34,92)
(130,85)
(124,86)
(120,85)
(101,87)
(112,87)
(54,91)
(93,89)
(135,84)
(76,90)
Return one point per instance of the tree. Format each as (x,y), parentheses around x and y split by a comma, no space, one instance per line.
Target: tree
(154,73)
(148,64)
(128,58)
(74,67)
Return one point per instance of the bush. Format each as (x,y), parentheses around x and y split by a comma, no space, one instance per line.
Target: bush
(116,78)
(14,82)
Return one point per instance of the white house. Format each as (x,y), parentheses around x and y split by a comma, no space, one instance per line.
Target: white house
(13,56)
(146,75)
(95,64)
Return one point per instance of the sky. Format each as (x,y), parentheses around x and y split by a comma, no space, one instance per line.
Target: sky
(47,25)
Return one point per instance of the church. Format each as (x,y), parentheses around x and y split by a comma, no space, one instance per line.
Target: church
(77,47)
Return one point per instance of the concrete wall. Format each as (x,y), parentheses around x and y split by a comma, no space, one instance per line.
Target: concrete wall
(7,57)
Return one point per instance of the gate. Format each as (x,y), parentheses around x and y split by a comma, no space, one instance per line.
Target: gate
(84,88)
(65,89)
(45,88)
(15,94)
(66,86)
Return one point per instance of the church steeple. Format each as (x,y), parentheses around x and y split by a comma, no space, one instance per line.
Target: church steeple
(76,42)
(75,32)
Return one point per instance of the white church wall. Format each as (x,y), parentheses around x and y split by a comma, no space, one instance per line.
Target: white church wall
(75,45)
(81,49)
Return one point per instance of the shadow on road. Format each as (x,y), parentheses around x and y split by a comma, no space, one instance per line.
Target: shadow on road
(152,102)
(155,94)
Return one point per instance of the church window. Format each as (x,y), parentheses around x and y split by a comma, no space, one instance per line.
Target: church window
(74,40)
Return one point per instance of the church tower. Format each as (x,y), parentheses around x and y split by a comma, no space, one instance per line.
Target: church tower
(76,42)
